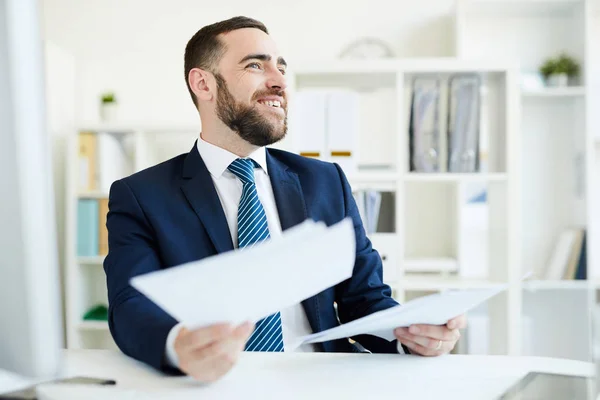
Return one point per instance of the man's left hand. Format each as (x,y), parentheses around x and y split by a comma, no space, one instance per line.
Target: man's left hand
(431,340)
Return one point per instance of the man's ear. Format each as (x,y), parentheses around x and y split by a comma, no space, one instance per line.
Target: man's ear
(200,83)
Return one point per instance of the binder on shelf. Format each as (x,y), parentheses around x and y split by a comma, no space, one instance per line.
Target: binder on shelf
(87,228)
(113,161)
(377,210)
(373,209)
(87,161)
(343,122)
(464,123)
(308,123)
(102,230)
(424,134)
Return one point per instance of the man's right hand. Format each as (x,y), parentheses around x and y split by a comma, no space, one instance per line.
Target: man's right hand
(206,354)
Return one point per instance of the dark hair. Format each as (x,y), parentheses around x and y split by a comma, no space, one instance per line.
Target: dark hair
(204,49)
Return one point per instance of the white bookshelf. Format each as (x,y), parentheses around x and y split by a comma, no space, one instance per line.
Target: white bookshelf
(545,131)
(558,158)
(146,145)
(425,206)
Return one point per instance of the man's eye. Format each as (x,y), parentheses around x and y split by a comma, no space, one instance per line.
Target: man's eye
(254,65)
(282,71)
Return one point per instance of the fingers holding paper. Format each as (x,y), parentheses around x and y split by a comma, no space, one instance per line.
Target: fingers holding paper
(208,353)
(431,340)
(459,322)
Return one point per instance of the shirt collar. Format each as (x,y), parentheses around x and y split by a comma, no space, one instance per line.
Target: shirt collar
(218,159)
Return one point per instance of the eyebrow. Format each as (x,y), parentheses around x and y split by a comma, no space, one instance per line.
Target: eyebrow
(263,57)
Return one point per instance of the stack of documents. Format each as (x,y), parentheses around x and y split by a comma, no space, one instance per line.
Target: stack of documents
(253,283)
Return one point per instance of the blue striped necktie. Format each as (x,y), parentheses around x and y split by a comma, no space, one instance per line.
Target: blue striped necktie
(252,229)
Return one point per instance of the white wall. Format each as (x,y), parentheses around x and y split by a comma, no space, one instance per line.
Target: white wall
(136,47)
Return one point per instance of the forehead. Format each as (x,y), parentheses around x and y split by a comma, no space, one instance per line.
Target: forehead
(241,42)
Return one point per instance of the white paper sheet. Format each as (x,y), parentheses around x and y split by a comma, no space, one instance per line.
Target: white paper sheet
(252,283)
(435,309)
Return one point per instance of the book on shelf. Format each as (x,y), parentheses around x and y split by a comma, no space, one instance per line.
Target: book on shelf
(102,230)
(102,159)
(87,162)
(92,235)
(568,259)
(87,228)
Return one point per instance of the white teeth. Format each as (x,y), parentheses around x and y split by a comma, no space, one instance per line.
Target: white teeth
(271,103)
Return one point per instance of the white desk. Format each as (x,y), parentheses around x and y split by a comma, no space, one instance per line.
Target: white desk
(328,376)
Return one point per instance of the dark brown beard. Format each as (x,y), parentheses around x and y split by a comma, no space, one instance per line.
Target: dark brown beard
(246,120)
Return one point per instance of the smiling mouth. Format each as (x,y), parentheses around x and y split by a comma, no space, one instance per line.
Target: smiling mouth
(270,103)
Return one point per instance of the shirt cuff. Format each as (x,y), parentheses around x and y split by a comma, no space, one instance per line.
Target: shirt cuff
(401,348)
(171,354)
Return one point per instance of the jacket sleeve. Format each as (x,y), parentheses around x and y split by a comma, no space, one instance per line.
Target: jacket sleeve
(138,326)
(364,293)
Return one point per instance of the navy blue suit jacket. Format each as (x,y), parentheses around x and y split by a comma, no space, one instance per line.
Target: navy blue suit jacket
(170,214)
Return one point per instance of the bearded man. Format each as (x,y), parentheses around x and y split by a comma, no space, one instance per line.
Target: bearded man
(229,192)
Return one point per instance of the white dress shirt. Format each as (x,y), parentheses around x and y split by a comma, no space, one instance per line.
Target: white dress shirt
(229,189)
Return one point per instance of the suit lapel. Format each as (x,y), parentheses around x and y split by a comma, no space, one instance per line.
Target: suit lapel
(200,192)
(292,211)
(288,193)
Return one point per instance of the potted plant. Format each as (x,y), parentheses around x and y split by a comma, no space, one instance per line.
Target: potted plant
(557,71)
(108,108)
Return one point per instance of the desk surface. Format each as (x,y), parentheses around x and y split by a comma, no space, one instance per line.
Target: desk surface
(322,376)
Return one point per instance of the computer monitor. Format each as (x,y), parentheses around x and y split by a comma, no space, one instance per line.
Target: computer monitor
(30,316)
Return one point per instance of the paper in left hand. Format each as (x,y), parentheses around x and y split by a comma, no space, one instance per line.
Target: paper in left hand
(435,309)
(252,283)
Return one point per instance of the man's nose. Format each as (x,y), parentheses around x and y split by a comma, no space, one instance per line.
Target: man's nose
(277,80)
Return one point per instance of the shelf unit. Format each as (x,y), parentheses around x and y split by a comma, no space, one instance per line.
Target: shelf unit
(146,145)
(558,159)
(426,204)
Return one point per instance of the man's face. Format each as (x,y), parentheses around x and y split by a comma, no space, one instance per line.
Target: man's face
(251,87)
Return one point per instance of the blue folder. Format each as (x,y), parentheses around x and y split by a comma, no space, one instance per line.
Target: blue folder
(87,228)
